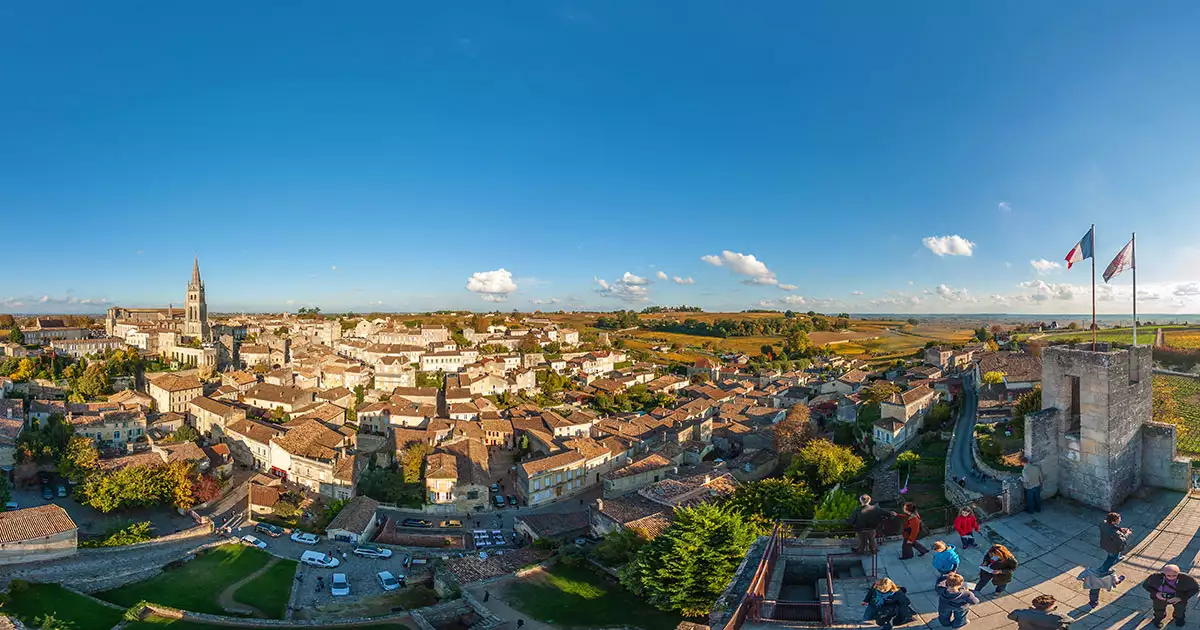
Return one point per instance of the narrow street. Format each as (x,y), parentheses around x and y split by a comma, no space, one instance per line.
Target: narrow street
(961,462)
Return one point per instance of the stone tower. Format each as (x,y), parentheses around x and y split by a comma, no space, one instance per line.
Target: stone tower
(1094,438)
(195,322)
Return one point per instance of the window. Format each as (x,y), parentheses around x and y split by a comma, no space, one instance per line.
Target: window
(558,479)
(537,484)
(1073,413)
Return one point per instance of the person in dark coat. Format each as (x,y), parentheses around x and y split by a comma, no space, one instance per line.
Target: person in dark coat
(1113,540)
(997,567)
(865,520)
(887,605)
(911,532)
(954,601)
(1170,587)
(1042,616)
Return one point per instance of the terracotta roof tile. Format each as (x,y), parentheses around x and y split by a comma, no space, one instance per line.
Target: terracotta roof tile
(34,522)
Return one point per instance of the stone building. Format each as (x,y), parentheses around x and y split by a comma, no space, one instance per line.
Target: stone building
(195,317)
(37,534)
(1094,438)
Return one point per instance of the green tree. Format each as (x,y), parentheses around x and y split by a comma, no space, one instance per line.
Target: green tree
(686,567)
(772,499)
(15,335)
(878,391)
(1031,402)
(619,547)
(79,459)
(94,382)
(185,433)
(906,461)
(5,491)
(823,464)
(413,461)
(836,505)
(993,378)
(529,345)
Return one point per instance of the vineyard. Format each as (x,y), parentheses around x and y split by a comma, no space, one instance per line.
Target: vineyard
(1177,401)
(1182,338)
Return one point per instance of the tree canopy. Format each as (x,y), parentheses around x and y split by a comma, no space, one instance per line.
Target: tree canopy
(794,431)
(878,391)
(688,566)
(994,377)
(823,464)
(772,499)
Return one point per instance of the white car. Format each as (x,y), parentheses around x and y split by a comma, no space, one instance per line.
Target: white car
(305,538)
(318,559)
(373,552)
(387,581)
(253,542)
(339,586)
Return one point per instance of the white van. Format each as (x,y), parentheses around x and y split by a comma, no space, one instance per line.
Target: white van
(318,559)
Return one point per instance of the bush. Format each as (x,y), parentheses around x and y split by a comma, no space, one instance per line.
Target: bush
(545,544)
(573,556)
(131,534)
(836,505)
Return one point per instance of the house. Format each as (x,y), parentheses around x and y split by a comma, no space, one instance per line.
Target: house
(497,432)
(172,392)
(441,475)
(210,417)
(253,355)
(667,384)
(849,383)
(37,534)
(308,453)
(340,396)
(11,424)
(132,397)
(575,425)
(241,381)
(422,395)
(652,509)
(470,488)
(549,478)
(1022,371)
(249,442)
(262,499)
(923,372)
(47,329)
(377,417)
(706,366)
(356,523)
(108,427)
(79,348)
(639,473)
(284,397)
(555,527)
(901,418)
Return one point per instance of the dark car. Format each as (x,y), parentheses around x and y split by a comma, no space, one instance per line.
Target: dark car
(274,531)
(495,488)
(416,522)
(499,498)
(47,492)
(512,499)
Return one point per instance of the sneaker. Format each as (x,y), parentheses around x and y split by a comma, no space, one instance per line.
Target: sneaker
(1093,605)
(1120,578)
(1158,623)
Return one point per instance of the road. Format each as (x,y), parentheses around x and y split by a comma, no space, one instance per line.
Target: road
(961,462)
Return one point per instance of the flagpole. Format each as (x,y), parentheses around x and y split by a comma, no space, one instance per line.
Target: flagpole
(1093,233)
(1133,263)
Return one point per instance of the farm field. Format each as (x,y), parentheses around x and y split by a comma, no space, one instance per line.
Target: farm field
(1185,392)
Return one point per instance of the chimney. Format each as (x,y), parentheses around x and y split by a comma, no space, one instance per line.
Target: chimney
(599,504)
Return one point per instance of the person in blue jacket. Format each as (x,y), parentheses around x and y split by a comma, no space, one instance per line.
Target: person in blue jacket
(945,558)
(954,601)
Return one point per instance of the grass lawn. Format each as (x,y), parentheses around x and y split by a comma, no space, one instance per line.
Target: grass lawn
(577,597)
(161,623)
(195,585)
(269,592)
(39,600)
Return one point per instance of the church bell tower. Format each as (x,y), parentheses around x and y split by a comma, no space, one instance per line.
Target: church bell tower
(195,323)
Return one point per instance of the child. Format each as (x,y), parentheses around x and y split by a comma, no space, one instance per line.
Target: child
(945,558)
(1095,581)
(966,525)
(997,568)
(954,601)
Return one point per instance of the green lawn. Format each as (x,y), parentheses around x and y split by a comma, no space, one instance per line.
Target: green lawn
(195,585)
(269,592)
(160,623)
(81,613)
(577,597)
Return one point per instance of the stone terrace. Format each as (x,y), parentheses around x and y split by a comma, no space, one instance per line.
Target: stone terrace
(1052,548)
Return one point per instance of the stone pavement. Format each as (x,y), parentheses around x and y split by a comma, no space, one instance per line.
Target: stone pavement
(1052,548)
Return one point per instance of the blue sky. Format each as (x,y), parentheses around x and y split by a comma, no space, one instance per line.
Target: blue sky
(395,156)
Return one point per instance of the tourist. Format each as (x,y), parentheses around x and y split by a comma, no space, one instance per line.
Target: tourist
(1041,616)
(1113,540)
(1095,581)
(887,604)
(865,520)
(520,622)
(911,532)
(1031,477)
(945,559)
(962,481)
(1170,587)
(966,525)
(486,596)
(954,601)
(997,568)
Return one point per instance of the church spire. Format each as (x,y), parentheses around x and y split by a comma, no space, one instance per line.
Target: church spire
(196,271)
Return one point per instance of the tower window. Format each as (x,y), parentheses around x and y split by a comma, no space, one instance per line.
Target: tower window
(1073,414)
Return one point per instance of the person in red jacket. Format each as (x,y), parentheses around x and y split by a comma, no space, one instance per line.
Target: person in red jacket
(966,526)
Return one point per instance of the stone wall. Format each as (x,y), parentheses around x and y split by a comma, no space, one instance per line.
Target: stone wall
(1161,466)
(430,616)
(999,475)
(886,487)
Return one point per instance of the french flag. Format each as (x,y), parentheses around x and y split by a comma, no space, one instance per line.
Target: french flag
(1082,249)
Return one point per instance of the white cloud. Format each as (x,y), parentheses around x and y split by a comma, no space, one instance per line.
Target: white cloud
(712,260)
(910,283)
(335,267)
(1044,266)
(1004,206)
(794,300)
(953,295)
(546,301)
(662,275)
(788,287)
(1008,265)
(765,303)
(290,302)
(856,293)
(748,265)
(679,280)
(1043,291)
(492,286)
(951,245)
(376,303)
(1187,289)
(621,290)
(629,278)
(903,301)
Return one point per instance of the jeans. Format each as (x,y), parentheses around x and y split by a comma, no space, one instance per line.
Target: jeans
(984,578)
(968,541)
(1094,597)
(1033,499)
(953,617)
(1160,610)
(906,549)
(1109,563)
(869,612)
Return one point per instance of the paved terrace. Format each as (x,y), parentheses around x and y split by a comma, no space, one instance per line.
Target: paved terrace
(1052,548)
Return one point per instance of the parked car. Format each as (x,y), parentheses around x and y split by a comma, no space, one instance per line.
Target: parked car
(318,559)
(495,488)
(253,542)
(11,505)
(387,581)
(62,490)
(451,524)
(416,522)
(499,498)
(340,586)
(305,538)
(512,499)
(47,492)
(373,552)
(274,531)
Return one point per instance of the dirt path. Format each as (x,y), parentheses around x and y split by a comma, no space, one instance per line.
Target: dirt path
(226,601)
